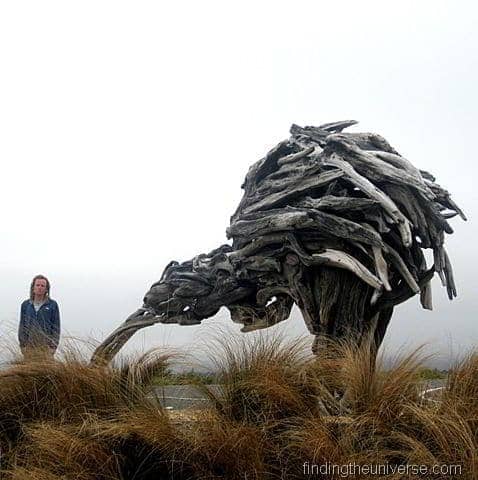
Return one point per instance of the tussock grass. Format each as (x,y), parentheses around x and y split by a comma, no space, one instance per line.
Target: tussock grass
(260,377)
(278,408)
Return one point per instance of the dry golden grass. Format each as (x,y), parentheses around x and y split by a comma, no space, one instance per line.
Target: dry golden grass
(279,407)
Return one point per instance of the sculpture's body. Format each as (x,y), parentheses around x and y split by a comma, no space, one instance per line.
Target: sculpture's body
(333,222)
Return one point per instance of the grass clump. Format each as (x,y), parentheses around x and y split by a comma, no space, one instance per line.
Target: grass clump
(278,408)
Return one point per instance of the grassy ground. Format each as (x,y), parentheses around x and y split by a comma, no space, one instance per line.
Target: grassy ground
(433,374)
(282,414)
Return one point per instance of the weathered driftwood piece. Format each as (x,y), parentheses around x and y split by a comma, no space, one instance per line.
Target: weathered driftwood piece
(332,222)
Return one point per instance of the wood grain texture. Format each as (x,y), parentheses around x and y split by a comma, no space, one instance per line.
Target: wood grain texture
(333,222)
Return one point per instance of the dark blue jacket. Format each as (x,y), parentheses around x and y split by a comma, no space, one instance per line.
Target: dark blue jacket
(40,328)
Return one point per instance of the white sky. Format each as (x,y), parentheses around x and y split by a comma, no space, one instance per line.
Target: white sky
(126,130)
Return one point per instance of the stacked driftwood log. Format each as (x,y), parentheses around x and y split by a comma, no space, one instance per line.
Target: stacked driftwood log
(333,222)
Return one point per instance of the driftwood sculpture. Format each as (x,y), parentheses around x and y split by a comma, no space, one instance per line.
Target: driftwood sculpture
(333,222)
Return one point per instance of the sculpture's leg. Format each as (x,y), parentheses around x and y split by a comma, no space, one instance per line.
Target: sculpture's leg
(383,320)
(346,313)
(316,344)
(338,313)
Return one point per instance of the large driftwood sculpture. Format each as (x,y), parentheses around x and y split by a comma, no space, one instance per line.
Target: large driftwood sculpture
(333,222)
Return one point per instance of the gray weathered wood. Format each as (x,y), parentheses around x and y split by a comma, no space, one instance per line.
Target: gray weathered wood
(333,222)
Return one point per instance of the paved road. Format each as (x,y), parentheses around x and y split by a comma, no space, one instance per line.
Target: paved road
(183,396)
(434,383)
(179,397)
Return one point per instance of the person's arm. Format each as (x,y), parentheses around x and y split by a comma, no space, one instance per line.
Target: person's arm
(55,327)
(22,330)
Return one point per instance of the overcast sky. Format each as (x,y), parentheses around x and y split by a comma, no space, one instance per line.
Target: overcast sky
(127,129)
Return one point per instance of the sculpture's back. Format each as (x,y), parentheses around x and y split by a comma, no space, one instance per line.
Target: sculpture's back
(333,222)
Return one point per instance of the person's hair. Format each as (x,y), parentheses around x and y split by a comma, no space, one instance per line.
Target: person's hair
(40,277)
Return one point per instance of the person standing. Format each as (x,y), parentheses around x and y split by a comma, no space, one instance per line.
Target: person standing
(39,329)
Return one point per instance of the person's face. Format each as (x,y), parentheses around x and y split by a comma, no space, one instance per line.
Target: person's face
(39,287)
